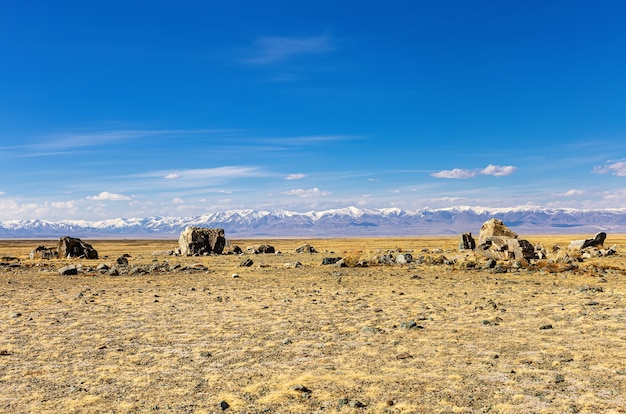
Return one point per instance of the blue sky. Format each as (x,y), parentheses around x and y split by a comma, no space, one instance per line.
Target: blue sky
(141,108)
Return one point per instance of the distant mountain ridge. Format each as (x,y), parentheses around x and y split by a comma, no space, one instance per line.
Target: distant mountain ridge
(344,222)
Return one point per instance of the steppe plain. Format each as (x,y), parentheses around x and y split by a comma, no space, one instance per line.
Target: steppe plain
(274,338)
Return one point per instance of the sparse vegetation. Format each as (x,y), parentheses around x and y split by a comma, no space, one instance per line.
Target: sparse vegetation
(188,336)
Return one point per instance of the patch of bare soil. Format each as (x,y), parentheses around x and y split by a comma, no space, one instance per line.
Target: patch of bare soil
(290,335)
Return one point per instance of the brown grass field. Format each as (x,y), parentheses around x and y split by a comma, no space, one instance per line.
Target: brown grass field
(311,339)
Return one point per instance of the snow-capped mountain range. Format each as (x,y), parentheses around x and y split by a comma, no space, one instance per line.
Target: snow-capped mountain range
(345,222)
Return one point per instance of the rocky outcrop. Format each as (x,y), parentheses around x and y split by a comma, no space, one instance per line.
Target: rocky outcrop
(69,247)
(494,227)
(201,241)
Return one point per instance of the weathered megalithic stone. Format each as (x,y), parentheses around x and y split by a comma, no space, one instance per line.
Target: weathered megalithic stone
(494,227)
(467,242)
(72,247)
(200,240)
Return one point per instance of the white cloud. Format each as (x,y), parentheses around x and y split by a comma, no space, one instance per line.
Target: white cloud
(206,173)
(616,168)
(456,173)
(63,204)
(573,193)
(2,193)
(105,195)
(178,200)
(313,192)
(497,170)
(295,176)
(275,49)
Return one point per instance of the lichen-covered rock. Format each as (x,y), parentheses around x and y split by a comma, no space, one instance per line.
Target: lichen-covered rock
(200,240)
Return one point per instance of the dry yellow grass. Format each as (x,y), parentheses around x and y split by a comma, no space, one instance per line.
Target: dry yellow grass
(186,341)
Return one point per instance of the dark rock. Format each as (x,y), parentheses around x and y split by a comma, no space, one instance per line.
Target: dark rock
(300,388)
(246,263)
(224,405)
(330,260)
(596,241)
(544,327)
(467,242)
(262,249)
(122,261)
(69,247)
(68,271)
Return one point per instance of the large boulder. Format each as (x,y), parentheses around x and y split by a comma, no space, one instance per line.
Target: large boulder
(506,248)
(69,247)
(596,241)
(200,240)
(494,227)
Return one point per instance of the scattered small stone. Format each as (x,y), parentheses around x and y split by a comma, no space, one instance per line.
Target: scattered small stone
(558,378)
(4,352)
(246,263)
(356,404)
(235,276)
(300,388)
(372,329)
(70,270)
(592,303)
(286,341)
(15,314)
(548,326)
(330,260)
(404,355)
(224,405)
(122,260)
(205,354)
(410,325)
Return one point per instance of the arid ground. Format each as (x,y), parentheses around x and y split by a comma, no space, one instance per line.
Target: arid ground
(279,338)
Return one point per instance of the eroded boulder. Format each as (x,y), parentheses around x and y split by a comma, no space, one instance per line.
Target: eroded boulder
(200,240)
(596,241)
(70,247)
(494,227)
